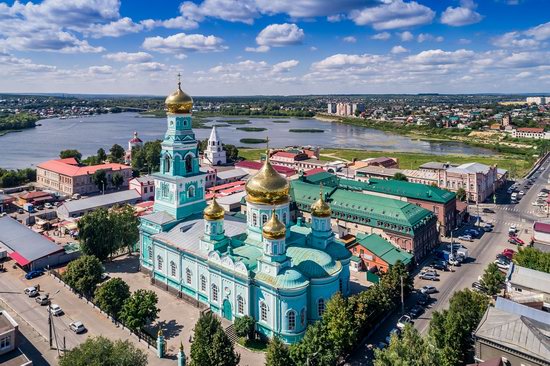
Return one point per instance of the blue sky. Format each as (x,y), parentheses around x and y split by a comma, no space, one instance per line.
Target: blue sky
(245,47)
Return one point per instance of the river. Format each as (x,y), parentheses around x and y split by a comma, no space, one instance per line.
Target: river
(87,134)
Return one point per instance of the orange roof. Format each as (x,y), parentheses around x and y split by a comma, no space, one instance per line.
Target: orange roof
(531,129)
(62,167)
(34,195)
(226,185)
(70,161)
(284,154)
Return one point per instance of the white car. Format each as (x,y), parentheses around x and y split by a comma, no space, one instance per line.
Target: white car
(428,290)
(404,320)
(521,193)
(77,327)
(48,205)
(502,265)
(56,310)
(31,291)
(465,237)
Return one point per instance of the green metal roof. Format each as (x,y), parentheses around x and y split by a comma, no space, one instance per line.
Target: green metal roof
(313,263)
(248,254)
(355,259)
(371,210)
(287,279)
(383,249)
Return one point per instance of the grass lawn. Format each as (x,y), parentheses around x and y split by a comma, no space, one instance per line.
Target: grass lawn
(516,165)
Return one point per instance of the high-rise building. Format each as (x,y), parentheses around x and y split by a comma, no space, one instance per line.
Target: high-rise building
(537,100)
(506,120)
(331,108)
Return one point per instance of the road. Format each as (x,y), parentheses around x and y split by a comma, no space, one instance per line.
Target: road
(482,251)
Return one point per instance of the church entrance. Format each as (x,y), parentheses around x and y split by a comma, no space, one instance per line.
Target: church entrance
(226,311)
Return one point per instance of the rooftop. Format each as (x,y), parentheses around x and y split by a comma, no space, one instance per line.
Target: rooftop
(383,249)
(542,227)
(61,166)
(470,168)
(529,278)
(101,200)
(249,164)
(6,322)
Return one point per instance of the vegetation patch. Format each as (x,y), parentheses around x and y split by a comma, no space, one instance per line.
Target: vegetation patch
(306,130)
(253,141)
(235,121)
(156,113)
(280,121)
(251,129)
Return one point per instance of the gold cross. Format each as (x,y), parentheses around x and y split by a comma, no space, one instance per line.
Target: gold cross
(179,79)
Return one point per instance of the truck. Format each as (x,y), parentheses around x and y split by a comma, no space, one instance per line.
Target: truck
(29,207)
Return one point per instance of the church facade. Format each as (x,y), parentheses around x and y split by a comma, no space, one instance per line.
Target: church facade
(278,272)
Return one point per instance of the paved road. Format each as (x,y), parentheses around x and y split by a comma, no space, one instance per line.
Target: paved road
(482,251)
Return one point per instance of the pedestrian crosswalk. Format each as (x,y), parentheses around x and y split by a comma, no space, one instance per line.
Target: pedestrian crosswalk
(515,209)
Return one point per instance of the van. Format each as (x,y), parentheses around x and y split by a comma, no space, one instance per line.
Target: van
(76,196)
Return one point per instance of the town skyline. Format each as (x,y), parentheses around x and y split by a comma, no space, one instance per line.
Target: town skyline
(229,48)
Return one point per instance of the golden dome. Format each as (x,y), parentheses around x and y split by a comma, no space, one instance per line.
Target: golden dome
(179,101)
(320,208)
(274,229)
(267,186)
(213,211)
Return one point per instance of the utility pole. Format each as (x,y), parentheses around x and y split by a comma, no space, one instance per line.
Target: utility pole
(402,297)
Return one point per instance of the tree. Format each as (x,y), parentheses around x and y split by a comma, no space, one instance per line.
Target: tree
(340,325)
(410,349)
(231,151)
(95,234)
(83,274)
(461,194)
(139,309)
(116,180)
(126,224)
(533,258)
(492,279)
(391,281)
(315,348)
(71,153)
(100,179)
(277,354)
(211,346)
(245,326)
(101,155)
(111,295)
(116,154)
(400,176)
(101,351)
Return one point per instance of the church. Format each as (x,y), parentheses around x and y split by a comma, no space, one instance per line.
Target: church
(279,272)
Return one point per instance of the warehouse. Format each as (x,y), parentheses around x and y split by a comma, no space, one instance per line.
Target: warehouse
(81,207)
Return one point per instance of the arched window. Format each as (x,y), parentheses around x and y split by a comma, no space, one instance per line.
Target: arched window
(150,252)
(188,163)
(167,164)
(240,305)
(254,219)
(203,283)
(191,192)
(159,262)
(214,293)
(188,276)
(320,307)
(284,218)
(264,219)
(303,316)
(173,268)
(291,320)
(263,311)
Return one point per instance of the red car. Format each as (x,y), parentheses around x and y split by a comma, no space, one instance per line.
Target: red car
(515,240)
(507,252)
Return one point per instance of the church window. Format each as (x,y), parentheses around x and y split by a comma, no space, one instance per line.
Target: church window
(274,248)
(254,219)
(263,311)
(284,218)
(240,305)
(188,276)
(188,163)
(173,268)
(291,320)
(203,283)
(320,307)
(214,293)
(167,164)
(159,262)
(191,192)
(150,252)
(303,316)
(264,219)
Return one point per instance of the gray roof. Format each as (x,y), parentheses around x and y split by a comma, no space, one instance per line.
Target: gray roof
(159,217)
(29,244)
(390,172)
(232,173)
(435,165)
(516,332)
(145,179)
(232,198)
(101,200)
(470,168)
(529,278)
(520,309)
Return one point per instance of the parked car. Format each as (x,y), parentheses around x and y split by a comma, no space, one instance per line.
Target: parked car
(516,241)
(48,205)
(509,252)
(424,299)
(428,290)
(455,261)
(56,310)
(31,291)
(502,265)
(488,210)
(465,238)
(503,258)
(429,276)
(416,311)
(43,299)
(32,274)
(77,327)
(404,320)
(429,270)
(477,286)
(472,232)
(521,193)
(395,331)
(442,266)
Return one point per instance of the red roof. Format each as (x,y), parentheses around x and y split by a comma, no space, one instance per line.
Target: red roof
(314,171)
(226,185)
(542,227)
(22,261)
(531,129)
(63,168)
(249,164)
(70,161)
(284,154)
(229,191)
(35,195)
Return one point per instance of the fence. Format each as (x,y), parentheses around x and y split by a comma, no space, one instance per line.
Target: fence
(141,335)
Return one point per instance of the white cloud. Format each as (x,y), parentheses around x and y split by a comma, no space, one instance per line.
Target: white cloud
(276,35)
(259,49)
(515,40)
(349,39)
(424,37)
(115,28)
(406,36)
(129,57)
(392,15)
(182,42)
(465,14)
(146,67)
(285,66)
(464,41)
(56,41)
(398,49)
(384,36)
(440,57)
(102,70)
(540,32)
(335,18)
(339,61)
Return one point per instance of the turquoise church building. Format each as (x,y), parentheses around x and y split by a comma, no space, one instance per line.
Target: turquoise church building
(278,272)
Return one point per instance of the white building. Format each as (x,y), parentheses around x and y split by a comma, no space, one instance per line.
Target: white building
(134,142)
(536,133)
(214,153)
(537,100)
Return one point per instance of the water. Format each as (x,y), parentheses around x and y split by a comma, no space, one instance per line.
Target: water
(87,134)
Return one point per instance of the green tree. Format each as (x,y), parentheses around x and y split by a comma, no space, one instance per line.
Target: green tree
(71,153)
(245,326)
(101,351)
(116,180)
(461,194)
(408,350)
(492,279)
(95,234)
(391,281)
(533,258)
(278,354)
(111,295)
(400,176)
(340,325)
(211,346)
(100,179)
(83,274)
(232,152)
(101,155)
(116,154)
(126,227)
(139,309)
(315,348)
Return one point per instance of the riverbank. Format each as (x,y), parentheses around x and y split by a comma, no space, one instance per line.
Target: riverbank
(517,165)
(5,132)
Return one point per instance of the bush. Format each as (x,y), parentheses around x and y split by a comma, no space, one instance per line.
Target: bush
(245,326)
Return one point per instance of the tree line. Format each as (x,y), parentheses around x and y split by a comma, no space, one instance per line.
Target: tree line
(14,178)
(17,121)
